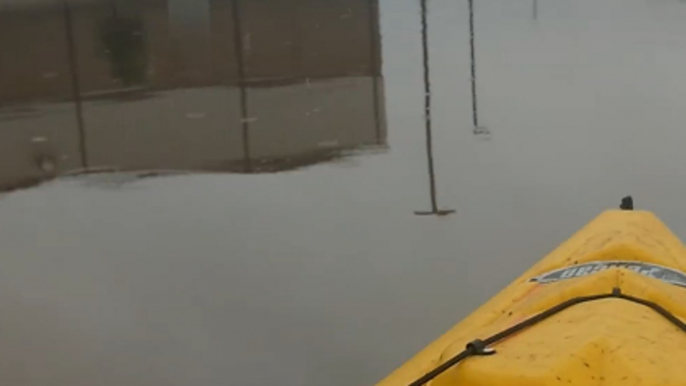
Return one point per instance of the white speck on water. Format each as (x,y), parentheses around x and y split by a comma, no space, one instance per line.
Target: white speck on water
(47,164)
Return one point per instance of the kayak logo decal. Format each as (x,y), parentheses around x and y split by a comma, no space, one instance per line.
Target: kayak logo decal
(665,274)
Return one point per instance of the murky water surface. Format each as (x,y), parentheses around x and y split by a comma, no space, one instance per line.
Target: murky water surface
(239,192)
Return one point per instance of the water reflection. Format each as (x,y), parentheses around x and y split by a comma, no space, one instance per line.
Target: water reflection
(212,85)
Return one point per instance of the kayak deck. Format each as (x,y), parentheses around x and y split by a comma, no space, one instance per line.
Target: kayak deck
(609,341)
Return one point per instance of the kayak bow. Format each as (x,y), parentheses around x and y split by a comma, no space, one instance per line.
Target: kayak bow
(604,308)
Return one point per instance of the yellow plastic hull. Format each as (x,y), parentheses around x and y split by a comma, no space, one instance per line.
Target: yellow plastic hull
(605,342)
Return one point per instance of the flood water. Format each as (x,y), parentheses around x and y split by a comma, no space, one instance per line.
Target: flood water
(238,192)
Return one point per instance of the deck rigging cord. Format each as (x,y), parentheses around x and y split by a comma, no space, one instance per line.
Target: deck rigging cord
(480,347)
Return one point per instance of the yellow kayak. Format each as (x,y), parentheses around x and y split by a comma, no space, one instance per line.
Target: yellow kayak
(605,308)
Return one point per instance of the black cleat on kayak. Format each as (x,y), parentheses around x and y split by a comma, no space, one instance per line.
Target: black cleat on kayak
(627,203)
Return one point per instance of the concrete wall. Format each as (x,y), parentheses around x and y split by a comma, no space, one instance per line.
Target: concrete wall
(311,87)
(284,40)
(34,59)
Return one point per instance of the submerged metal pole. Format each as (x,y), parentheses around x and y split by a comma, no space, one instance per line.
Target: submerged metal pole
(472,48)
(475,115)
(375,42)
(76,84)
(427,119)
(243,93)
